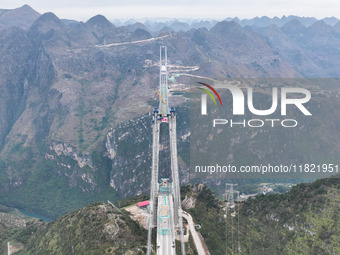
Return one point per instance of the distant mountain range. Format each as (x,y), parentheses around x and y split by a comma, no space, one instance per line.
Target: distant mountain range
(176,25)
(75,96)
(24,16)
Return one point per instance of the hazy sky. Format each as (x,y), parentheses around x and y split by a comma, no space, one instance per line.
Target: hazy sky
(215,9)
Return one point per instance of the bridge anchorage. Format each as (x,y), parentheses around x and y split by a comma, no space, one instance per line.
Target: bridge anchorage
(165,199)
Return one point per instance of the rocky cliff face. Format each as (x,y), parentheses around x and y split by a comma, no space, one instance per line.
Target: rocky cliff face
(70,151)
(129,146)
(81,174)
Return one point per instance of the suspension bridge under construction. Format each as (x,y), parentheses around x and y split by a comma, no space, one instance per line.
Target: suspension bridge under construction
(165,199)
(165,211)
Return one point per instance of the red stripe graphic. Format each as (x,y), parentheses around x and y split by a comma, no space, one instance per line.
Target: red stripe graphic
(218,96)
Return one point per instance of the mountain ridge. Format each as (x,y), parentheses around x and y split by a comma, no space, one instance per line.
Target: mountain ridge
(22,17)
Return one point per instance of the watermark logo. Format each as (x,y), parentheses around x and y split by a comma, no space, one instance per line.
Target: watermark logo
(267,128)
(283,96)
(204,97)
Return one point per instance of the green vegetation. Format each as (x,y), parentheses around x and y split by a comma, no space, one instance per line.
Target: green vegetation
(301,221)
(304,220)
(5,233)
(11,221)
(49,194)
(208,213)
(82,111)
(94,229)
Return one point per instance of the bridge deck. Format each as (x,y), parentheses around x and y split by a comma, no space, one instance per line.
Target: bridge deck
(165,226)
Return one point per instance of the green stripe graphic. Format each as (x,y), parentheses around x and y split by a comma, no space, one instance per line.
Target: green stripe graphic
(209,94)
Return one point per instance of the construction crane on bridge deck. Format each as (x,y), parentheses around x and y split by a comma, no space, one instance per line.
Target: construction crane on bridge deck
(164,103)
